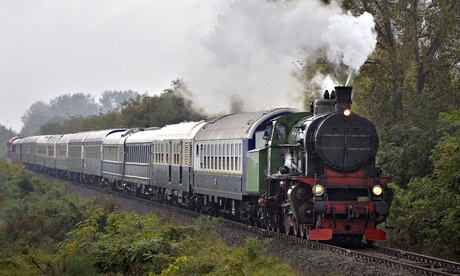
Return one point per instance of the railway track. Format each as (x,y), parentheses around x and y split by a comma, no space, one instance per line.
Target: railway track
(412,262)
(439,265)
(394,259)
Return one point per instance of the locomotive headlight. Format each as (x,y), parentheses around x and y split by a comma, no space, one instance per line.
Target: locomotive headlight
(347,112)
(377,190)
(318,190)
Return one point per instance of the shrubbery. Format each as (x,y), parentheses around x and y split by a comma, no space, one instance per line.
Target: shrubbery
(43,231)
(427,213)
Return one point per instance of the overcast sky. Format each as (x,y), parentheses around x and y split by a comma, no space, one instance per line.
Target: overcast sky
(224,49)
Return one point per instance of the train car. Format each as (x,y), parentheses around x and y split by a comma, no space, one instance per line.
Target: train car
(14,149)
(40,157)
(172,161)
(137,165)
(50,153)
(29,151)
(155,162)
(92,155)
(220,158)
(113,158)
(62,155)
(75,155)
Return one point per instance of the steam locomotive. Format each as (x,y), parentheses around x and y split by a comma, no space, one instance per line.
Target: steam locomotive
(314,176)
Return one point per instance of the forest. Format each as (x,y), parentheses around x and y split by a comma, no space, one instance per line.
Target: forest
(409,88)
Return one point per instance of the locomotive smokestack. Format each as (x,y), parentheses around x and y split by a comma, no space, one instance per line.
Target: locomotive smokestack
(343,97)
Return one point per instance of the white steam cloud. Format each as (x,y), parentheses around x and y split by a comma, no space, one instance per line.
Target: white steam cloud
(249,56)
(350,38)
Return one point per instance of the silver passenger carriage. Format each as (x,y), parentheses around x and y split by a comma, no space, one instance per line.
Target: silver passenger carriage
(40,144)
(29,151)
(172,159)
(50,153)
(62,155)
(138,165)
(113,159)
(75,155)
(92,154)
(84,155)
(159,162)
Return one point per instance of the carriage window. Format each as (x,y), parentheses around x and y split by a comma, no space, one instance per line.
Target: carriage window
(201,155)
(281,132)
(219,157)
(227,157)
(238,156)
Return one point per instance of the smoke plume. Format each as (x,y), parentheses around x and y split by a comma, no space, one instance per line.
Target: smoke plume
(247,60)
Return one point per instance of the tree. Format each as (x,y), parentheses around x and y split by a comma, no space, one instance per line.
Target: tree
(417,50)
(77,104)
(168,108)
(59,109)
(446,154)
(409,79)
(427,214)
(112,100)
(5,136)
(38,114)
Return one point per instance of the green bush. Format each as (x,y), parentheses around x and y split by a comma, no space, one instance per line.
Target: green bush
(427,213)
(44,231)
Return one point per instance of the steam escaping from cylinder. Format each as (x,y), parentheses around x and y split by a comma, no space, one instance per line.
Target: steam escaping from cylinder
(251,55)
(288,162)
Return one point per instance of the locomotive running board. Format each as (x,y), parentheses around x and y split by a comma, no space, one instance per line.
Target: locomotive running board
(320,234)
(375,235)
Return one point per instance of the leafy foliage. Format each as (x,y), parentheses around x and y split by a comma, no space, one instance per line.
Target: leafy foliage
(409,80)
(427,214)
(38,114)
(49,118)
(446,155)
(77,104)
(131,244)
(44,231)
(5,136)
(113,100)
(207,254)
(406,154)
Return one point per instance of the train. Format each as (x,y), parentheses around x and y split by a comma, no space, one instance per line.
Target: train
(310,174)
